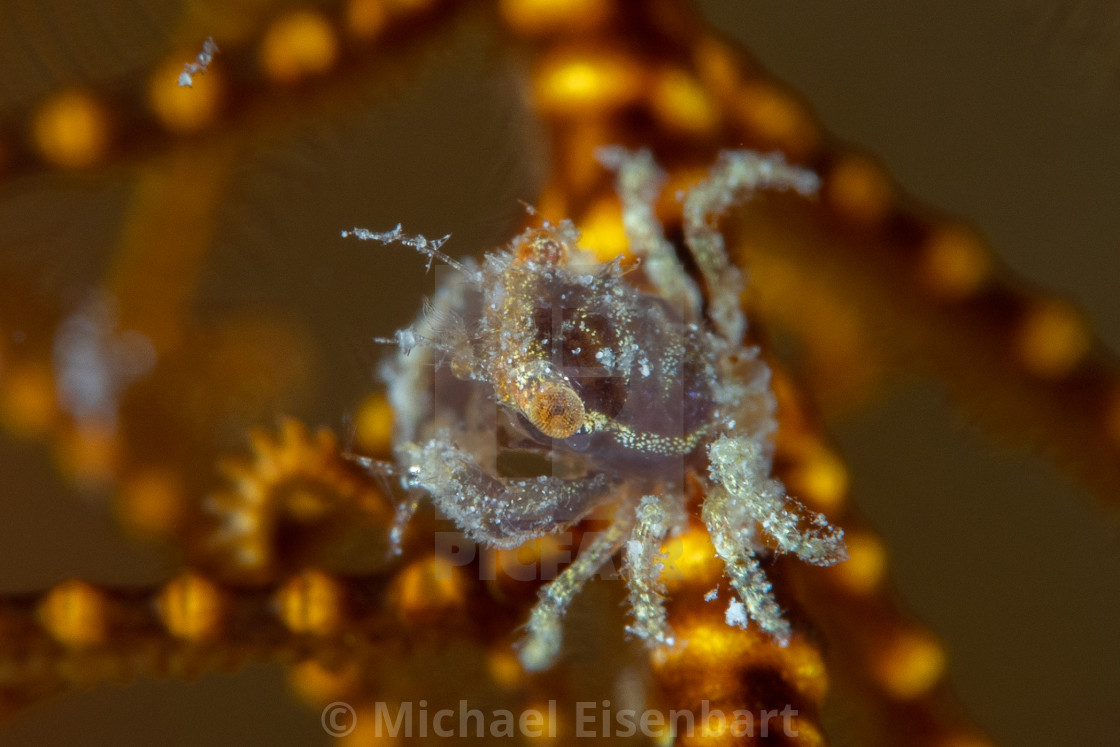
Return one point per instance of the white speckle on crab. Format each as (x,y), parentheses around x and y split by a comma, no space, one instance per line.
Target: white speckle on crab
(736,615)
(407,339)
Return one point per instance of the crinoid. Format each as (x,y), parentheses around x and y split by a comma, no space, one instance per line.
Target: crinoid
(292,487)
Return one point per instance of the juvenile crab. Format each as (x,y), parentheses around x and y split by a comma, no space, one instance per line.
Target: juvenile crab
(541,385)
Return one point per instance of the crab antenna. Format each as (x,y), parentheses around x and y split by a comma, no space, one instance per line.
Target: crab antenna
(429,247)
(406,340)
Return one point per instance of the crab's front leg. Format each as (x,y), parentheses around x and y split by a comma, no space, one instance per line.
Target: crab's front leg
(639,183)
(744,496)
(404,509)
(494,510)
(641,530)
(644,565)
(542,641)
(736,176)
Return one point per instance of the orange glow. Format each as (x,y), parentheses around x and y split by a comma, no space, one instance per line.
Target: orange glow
(680,180)
(1053,339)
(72,130)
(374,425)
(28,407)
(690,556)
(859,190)
(910,664)
(955,263)
(600,72)
(681,103)
(428,588)
(317,684)
(312,603)
(76,614)
(181,108)
(369,730)
(552,204)
(820,479)
(718,67)
(808,733)
(602,231)
(365,18)
(575,85)
(89,455)
(533,17)
(714,647)
(192,608)
(504,668)
(866,566)
(151,503)
(298,45)
(544,552)
(773,118)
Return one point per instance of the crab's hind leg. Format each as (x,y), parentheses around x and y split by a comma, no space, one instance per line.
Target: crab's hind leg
(743,496)
(542,641)
(734,545)
(742,468)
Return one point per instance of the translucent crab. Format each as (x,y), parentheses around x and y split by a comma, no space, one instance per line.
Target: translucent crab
(540,385)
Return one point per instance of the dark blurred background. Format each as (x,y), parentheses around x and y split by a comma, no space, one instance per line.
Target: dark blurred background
(1006,113)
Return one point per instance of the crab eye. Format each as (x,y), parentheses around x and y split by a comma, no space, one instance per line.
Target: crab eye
(555,410)
(542,246)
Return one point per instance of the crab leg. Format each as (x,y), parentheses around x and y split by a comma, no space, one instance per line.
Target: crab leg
(542,642)
(643,560)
